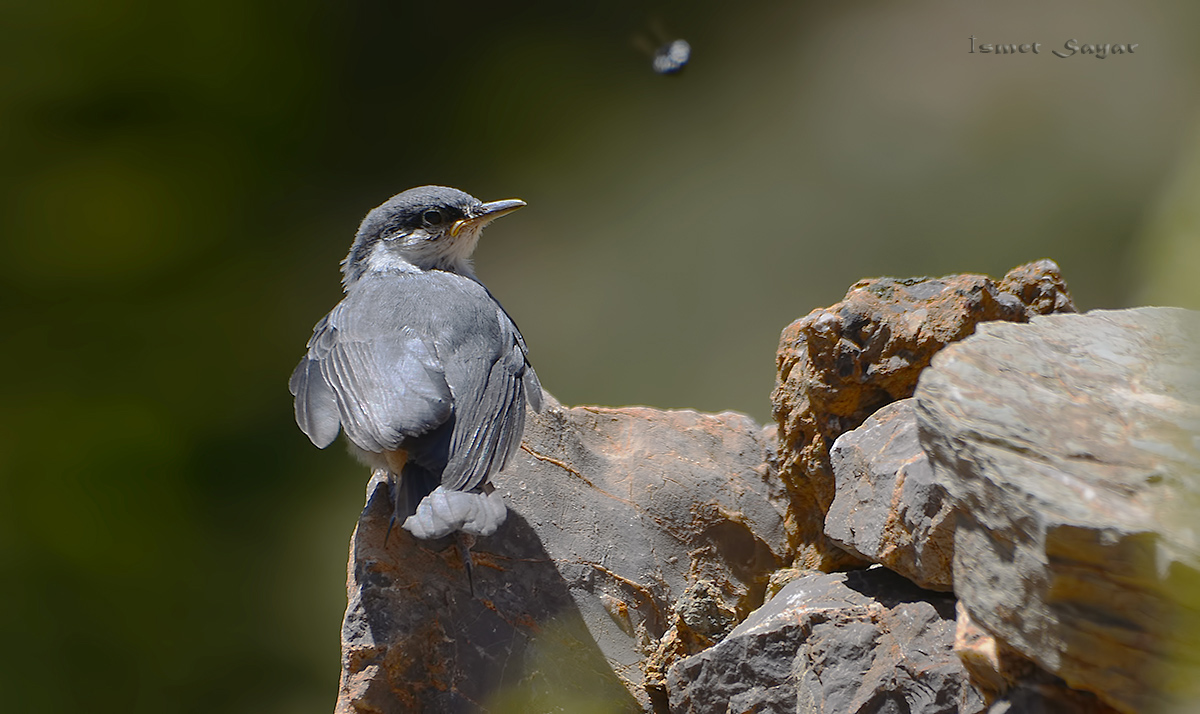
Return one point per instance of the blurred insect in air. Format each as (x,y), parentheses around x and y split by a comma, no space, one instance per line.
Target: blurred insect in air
(671,58)
(667,56)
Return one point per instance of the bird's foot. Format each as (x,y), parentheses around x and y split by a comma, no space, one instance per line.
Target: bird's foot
(465,541)
(397,496)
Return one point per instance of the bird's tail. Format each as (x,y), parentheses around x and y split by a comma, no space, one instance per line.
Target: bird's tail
(478,513)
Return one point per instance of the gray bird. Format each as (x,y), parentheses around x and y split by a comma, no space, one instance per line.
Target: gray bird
(420,366)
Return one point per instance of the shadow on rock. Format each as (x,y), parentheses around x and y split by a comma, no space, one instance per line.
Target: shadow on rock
(415,640)
(634,537)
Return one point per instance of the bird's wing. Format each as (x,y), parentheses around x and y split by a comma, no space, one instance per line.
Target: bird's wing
(484,361)
(377,378)
(533,386)
(316,405)
(489,419)
(403,355)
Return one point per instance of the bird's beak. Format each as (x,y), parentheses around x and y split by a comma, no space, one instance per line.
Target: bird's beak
(487,213)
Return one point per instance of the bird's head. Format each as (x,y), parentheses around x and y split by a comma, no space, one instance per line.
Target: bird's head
(424,228)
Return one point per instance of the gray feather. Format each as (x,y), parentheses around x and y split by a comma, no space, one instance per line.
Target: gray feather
(316,406)
(401,354)
(533,388)
(387,389)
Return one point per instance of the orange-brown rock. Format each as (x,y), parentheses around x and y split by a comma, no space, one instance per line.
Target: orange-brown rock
(837,365)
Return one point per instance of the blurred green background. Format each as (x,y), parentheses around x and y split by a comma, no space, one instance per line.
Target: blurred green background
(181,179)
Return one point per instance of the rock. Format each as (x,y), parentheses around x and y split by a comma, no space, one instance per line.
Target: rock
(634,537)
(414,639)
(1046,694)
(780,578)
(1071,448)
(888,508)
(838,365)
(995,667)
(1011,682)
(701,609)
(844,643)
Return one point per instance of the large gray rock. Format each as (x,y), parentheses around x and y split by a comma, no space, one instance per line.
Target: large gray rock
(888,507)
(843,643)
(1071,448)
(634,537)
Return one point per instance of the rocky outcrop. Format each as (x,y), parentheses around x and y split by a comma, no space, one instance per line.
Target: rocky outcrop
(838,365)
(842,643)
(1070,448)
(634,537)
(1031,508)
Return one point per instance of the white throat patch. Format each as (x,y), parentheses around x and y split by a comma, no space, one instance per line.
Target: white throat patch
(417,253)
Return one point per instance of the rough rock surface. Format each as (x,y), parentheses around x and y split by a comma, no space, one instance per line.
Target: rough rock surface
(1071,447)
(888,507)
(1011,681)
(837,365)
(994,666)
(844,643)
(1055,463)
(634,537)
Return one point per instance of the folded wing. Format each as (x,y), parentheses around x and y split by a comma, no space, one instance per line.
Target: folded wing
(380,387)
(405,354)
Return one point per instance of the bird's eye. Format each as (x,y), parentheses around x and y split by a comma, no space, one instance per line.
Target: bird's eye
(432,217)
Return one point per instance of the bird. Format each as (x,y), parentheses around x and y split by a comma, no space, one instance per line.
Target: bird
(420,367)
